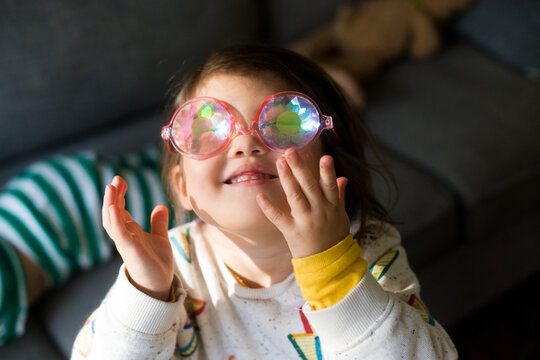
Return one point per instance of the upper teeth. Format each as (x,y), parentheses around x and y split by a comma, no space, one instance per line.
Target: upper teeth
(250,177)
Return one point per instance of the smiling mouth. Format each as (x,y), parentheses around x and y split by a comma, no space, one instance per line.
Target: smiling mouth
(250,177)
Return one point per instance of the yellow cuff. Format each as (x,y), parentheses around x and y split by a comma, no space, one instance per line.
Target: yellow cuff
(325,278)
(172,296)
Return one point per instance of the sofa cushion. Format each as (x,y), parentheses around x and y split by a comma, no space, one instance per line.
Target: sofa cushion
(423,208)
(470,277)
(471,123)
(71,67)
(136,134)
(34,344)
(64,312)
(509,30)
(293,20)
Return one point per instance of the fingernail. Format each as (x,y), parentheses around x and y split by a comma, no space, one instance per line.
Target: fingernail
(326,162)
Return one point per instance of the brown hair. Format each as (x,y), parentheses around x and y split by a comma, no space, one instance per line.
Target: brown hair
(348,149)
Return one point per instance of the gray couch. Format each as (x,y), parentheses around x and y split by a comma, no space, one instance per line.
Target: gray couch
(461,130)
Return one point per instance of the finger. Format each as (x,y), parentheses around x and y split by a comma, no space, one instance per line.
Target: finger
(121,185)
(109,198)
(341,184)
(105,216)
(159,221)
(273,213)
(304,176)
(295,195)
(329,185)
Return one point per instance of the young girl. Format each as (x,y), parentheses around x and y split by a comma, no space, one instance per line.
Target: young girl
(264,149)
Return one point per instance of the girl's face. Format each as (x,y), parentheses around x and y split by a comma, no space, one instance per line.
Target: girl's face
(222,189)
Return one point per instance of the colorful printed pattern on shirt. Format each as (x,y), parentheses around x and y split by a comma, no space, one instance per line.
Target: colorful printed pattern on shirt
(189,340)
(182,245)
(307,345)
(382,265)
(87,336)
(194,306)
(422,309)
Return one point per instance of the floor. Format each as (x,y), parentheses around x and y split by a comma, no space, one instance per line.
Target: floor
(506,329)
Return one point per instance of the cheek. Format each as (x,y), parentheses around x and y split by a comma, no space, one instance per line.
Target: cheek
(201,175)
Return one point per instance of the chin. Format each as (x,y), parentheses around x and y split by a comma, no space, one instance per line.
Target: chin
(241,216)
(242,223)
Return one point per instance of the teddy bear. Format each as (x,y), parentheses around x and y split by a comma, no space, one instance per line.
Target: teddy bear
(367,35)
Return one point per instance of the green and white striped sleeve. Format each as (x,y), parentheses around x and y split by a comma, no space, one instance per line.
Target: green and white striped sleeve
(51,212)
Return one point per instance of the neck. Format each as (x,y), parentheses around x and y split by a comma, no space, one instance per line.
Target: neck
(259,261)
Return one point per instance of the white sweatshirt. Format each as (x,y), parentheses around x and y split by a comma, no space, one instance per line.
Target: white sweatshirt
(214,317)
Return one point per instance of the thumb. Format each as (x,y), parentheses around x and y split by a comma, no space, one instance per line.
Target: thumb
(342,183)
(159,220)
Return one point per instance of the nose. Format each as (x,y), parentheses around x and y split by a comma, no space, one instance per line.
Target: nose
(247,143)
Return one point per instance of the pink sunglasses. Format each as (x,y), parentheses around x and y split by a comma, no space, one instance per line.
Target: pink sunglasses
(204,126)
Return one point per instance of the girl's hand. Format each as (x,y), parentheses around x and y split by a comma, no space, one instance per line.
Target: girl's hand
(317,220)
(148,256)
